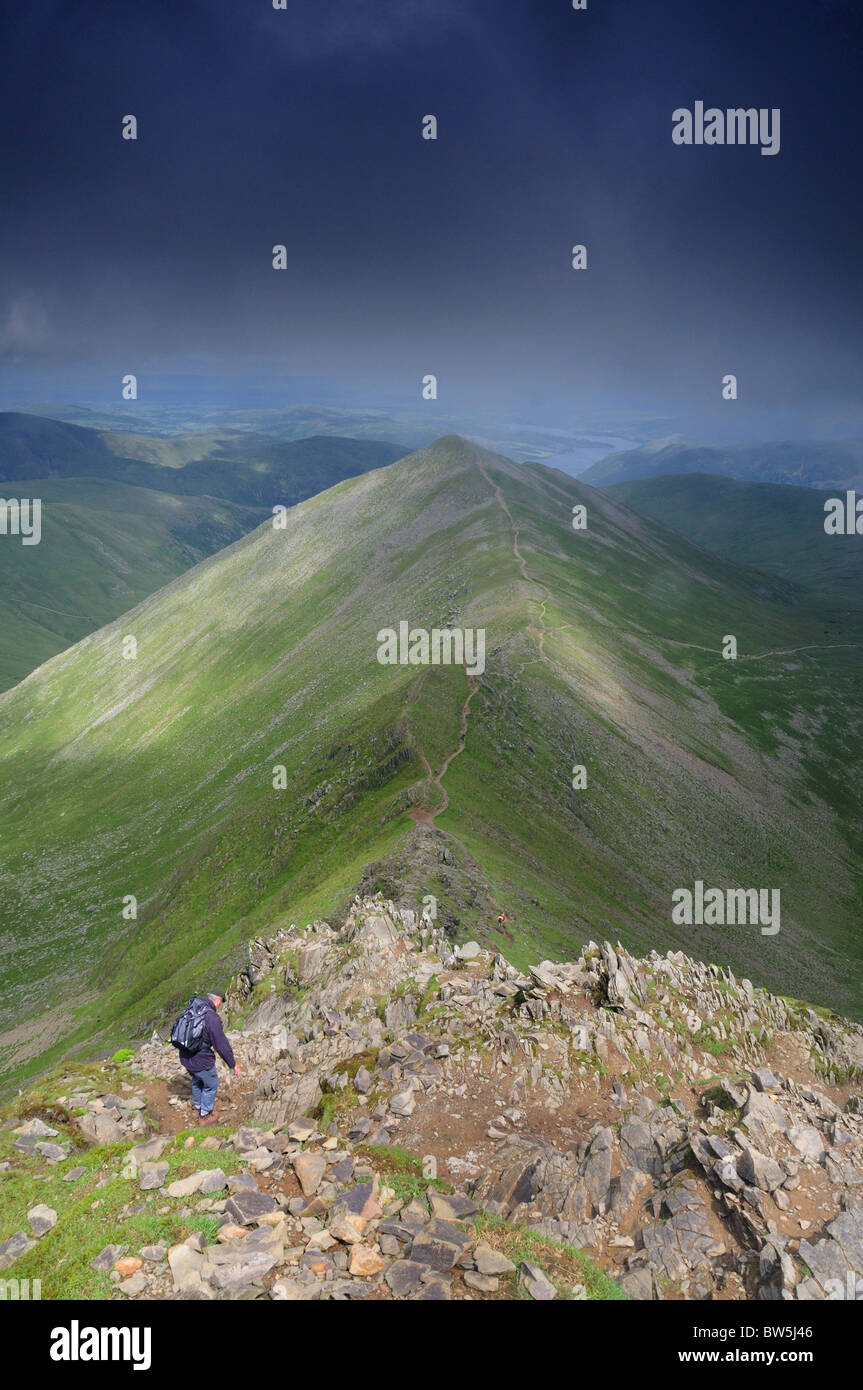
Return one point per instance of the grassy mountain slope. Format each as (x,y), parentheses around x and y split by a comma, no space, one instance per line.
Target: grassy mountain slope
(105,546)
(775,528)
(834,464)
(123,515)
(154,777)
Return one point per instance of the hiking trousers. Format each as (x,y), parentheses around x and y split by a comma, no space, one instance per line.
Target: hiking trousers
(205,1084)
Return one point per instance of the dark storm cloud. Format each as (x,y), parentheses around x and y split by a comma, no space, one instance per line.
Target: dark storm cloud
(302,127)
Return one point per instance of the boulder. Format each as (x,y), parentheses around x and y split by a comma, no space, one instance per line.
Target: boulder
(42,1219)
(807,1141)
(151,1151)
(134,1286)
(185,1187)
(151,1176)
(489,1261)
(101,1127)
(247,1207)
(364,1262)
(35,1129)
(404,1276)
(760,1170)
(537,1285)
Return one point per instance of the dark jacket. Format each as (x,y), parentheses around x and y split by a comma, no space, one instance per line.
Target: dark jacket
(212,1037)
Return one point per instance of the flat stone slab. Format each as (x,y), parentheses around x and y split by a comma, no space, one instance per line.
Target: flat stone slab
(452,1206)
(243,1182)
(227,1268)
(246,1207)
(492,1262)
(403,1276)
(301,1130)
(185,1187)
(213,1180)
(53,1152)
(133,1286)
(42,1219)
(310,1169)
(152,1150)
(151,1176)
(36,1129)
(102,1127)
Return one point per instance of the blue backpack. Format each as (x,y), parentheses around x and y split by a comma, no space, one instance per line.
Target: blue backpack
(188,1031)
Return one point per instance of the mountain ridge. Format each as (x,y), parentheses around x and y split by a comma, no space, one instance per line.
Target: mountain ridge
(600,651)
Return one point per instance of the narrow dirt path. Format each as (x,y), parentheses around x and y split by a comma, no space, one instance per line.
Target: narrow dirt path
(502,503)
(473,687)
(539,628)
(760,656)
(422,813)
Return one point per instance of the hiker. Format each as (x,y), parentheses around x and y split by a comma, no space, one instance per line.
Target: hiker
(198,1033)
(501,918)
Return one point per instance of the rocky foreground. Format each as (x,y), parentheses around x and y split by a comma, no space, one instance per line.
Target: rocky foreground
(693,1136)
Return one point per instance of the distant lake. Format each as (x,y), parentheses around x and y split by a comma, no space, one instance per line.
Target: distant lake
(589,449)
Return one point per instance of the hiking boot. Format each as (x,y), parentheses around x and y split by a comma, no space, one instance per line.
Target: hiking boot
(209,1119)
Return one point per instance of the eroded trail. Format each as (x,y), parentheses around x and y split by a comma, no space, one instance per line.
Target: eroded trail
(422,813)
(473,687)
(539,628)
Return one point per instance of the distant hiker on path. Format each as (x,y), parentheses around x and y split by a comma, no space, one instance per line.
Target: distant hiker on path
(501,918)
(197,1033)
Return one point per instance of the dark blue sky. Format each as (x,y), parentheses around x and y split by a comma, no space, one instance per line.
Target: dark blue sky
(407,256)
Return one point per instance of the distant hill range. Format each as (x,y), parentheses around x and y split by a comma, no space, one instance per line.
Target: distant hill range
(770,526)
(122,515)
(806,463)
(251,469)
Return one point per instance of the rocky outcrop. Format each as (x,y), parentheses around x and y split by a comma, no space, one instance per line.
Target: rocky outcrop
(705,1169)
(695,1136)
